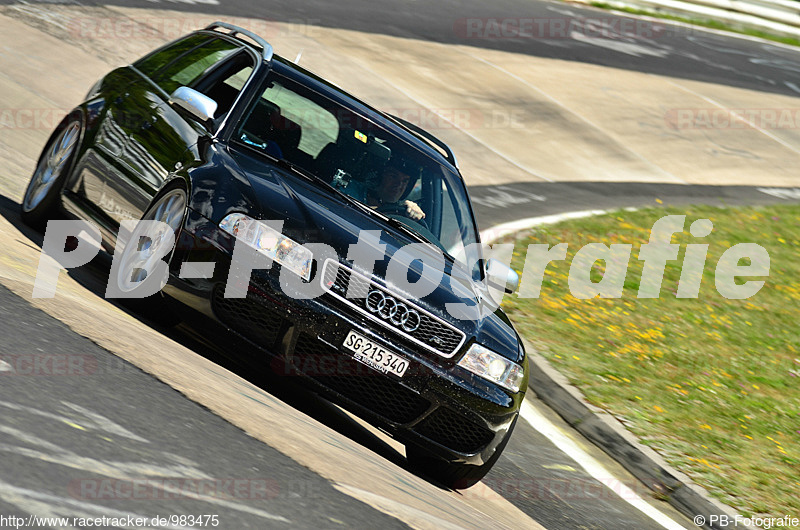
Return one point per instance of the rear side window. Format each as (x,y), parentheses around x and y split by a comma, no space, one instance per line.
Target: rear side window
(154,62)
(227,79)
(192,65)
(186,61)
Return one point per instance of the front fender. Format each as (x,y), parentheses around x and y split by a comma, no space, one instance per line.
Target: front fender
(219,186)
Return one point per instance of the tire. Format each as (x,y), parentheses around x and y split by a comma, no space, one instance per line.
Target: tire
(42,199)
(455,476)
(169,207)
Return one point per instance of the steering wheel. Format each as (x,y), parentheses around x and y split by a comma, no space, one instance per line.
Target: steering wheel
(400,211)
(394,208)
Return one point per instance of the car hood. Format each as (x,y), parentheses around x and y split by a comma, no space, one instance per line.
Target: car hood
(313,214)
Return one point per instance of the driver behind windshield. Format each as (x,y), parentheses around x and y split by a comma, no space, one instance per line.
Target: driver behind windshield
(387,194)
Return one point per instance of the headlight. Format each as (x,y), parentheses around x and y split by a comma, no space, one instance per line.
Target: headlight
(290,254)
(492,366)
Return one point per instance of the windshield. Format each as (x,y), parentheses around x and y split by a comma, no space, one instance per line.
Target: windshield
(364,161)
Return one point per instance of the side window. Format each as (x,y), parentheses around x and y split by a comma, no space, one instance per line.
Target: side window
(451,217)
(224,82)
(154,62)
(287,123)
(190,66)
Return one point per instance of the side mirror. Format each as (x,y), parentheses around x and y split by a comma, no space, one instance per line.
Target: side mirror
(198,105)
(501,276)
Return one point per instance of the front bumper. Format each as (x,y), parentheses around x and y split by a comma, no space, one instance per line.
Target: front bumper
(436,405)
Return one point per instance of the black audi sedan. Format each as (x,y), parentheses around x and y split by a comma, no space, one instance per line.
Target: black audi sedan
(336,241)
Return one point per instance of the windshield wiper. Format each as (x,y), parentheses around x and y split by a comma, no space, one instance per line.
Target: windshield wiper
(410,231)
(358,204)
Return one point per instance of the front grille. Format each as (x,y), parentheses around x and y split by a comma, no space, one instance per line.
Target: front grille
(453,431)
(433,333)
(250,316)
(361,384)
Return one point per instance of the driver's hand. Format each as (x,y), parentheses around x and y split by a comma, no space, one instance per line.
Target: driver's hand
(414,211)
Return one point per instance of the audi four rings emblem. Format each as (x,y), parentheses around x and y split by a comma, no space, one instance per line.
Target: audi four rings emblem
(395,312)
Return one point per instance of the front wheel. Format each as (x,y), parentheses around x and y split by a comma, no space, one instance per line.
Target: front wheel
(146,247)
(454,475)
(42,199)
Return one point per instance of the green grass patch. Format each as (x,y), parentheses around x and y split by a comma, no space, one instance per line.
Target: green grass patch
(706,23)
(712,384)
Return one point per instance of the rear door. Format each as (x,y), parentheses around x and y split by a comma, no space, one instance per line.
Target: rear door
(158,137)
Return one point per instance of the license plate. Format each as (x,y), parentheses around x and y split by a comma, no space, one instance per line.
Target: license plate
(375,356)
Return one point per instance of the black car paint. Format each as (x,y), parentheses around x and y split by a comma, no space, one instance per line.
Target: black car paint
(438,380)
(112,182)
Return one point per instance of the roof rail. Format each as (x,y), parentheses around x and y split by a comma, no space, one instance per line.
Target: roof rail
(429,137)
(267,47)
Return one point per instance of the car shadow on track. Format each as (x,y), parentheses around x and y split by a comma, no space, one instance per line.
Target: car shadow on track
(94,276)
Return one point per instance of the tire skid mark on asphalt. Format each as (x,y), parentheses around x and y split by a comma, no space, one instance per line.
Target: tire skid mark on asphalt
(172,466)
(41,13)
(584,119)
(738,116)
(87,420)
(46,505)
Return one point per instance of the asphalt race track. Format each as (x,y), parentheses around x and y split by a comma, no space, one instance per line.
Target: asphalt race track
(689,54)
(496,205)
(105,413)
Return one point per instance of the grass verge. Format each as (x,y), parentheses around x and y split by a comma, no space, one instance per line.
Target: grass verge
(706,23)
(712,384)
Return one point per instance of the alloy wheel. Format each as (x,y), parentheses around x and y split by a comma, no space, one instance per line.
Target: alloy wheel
(51,166)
